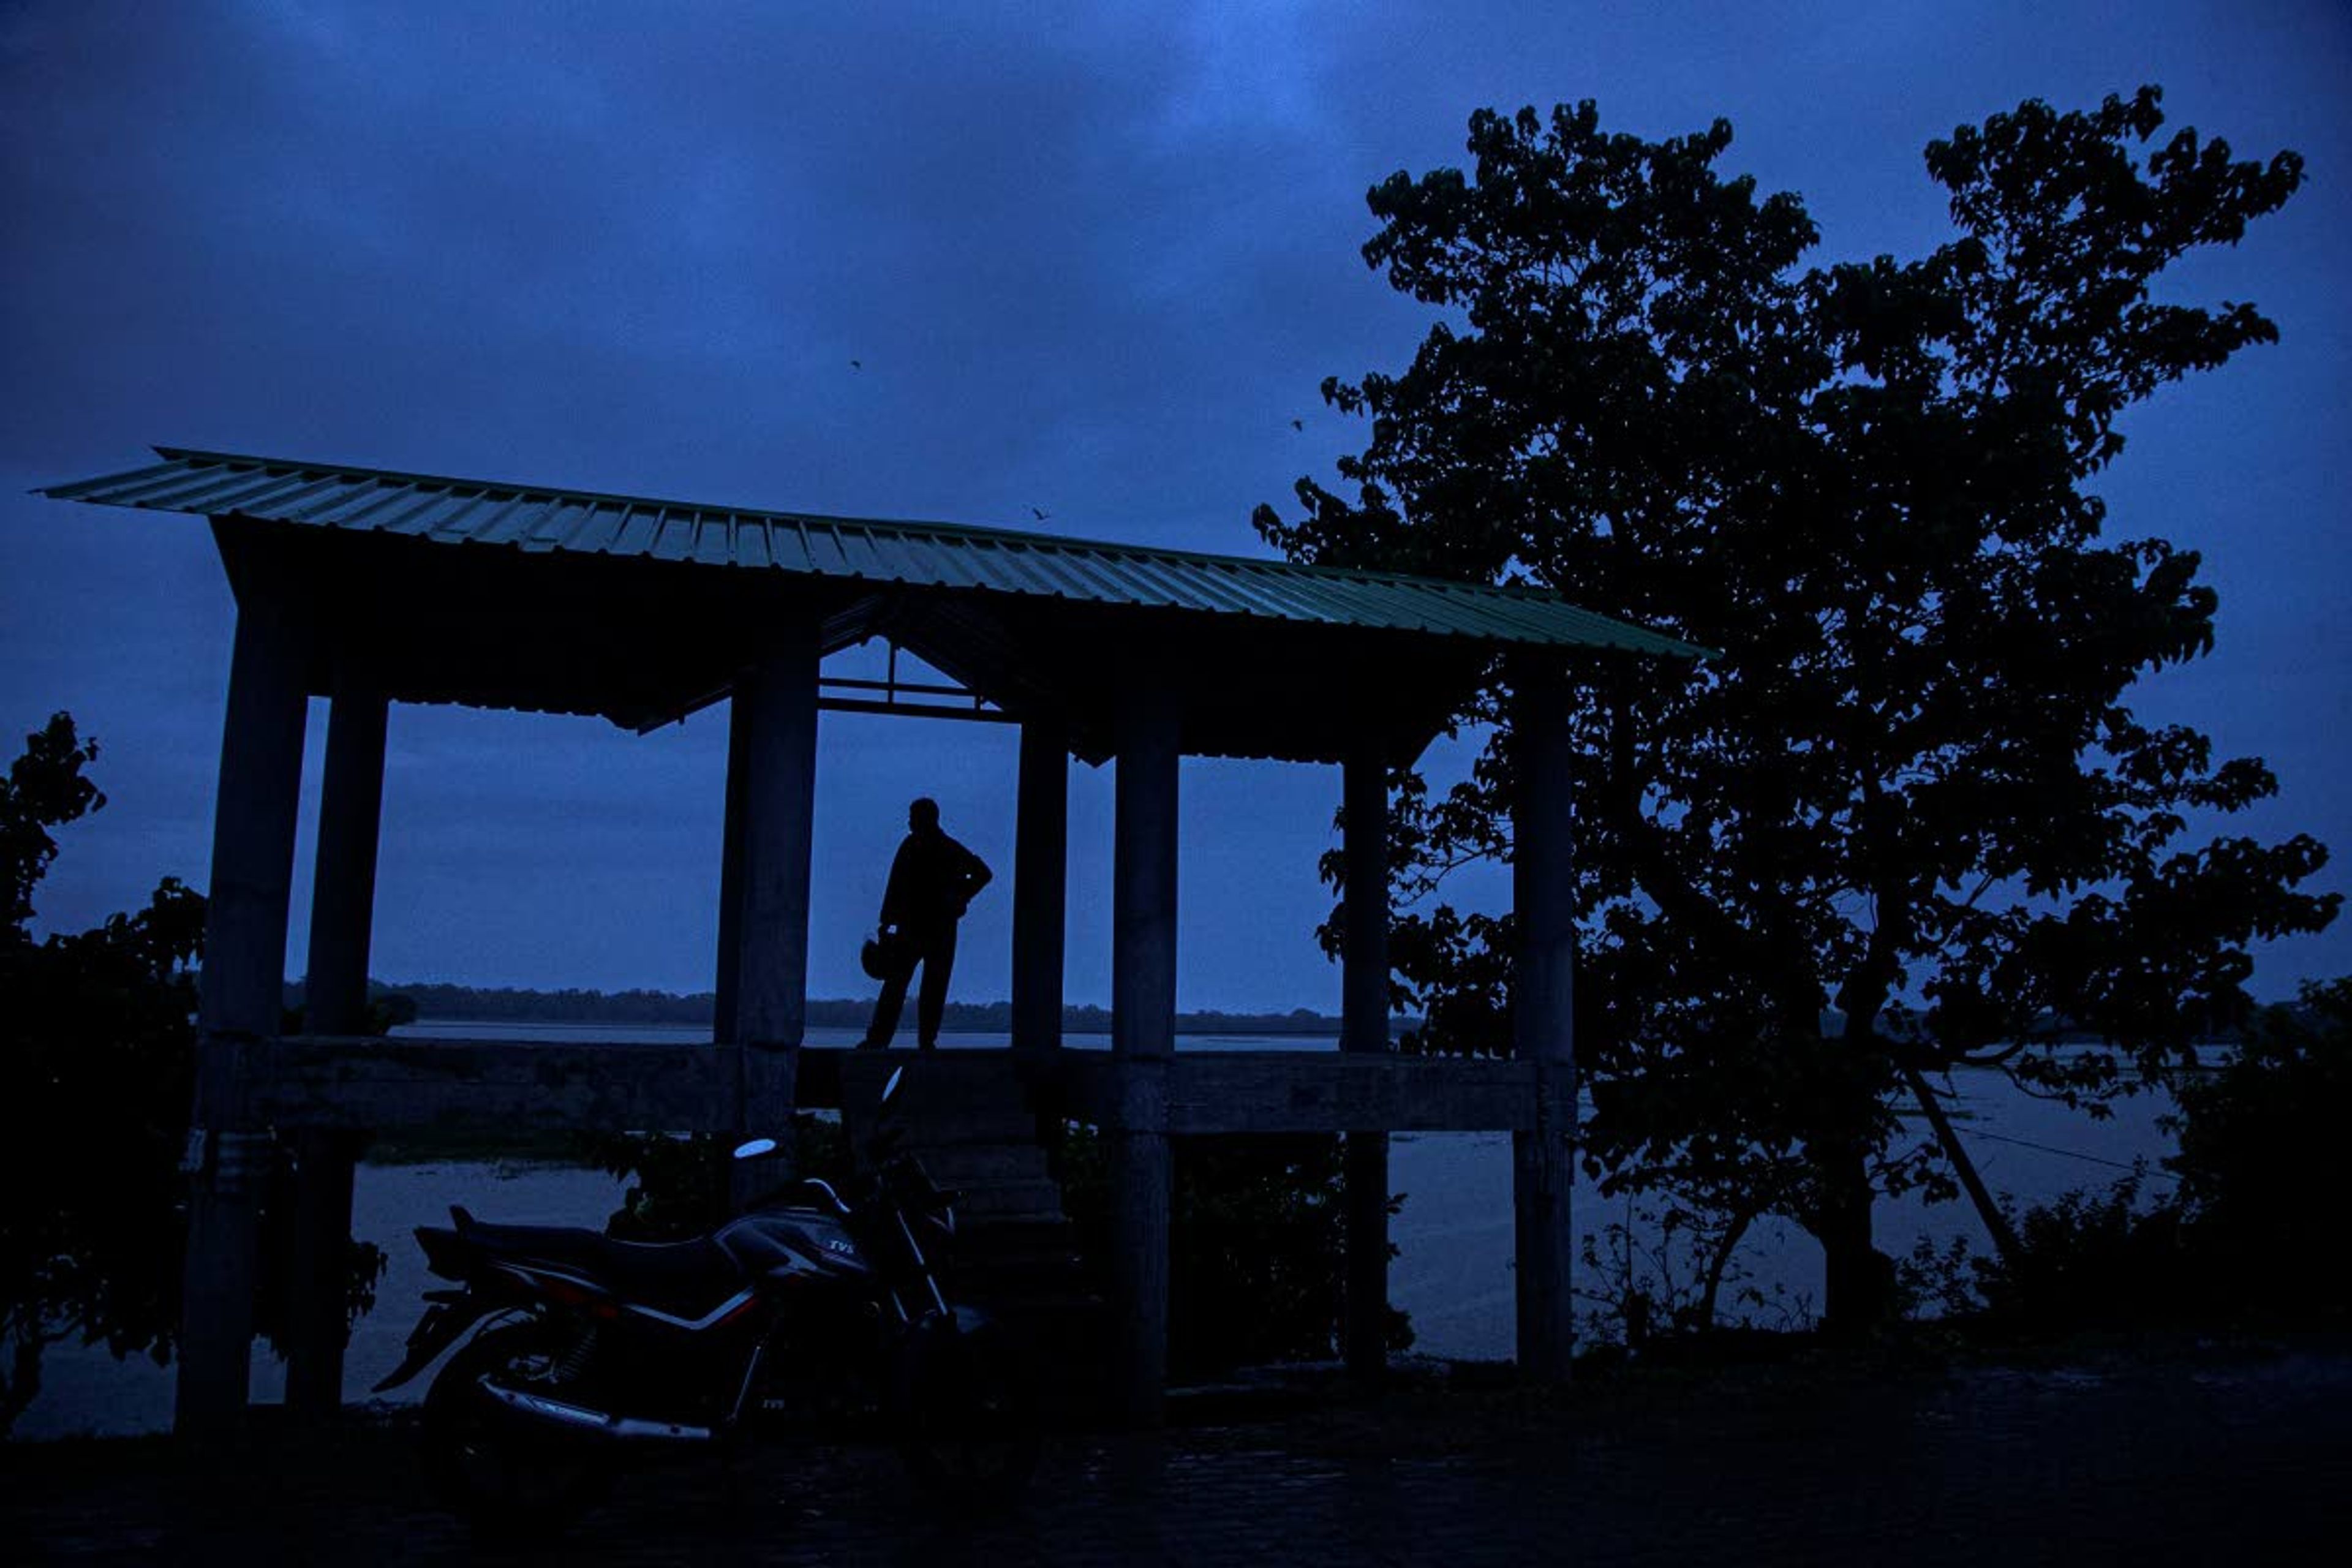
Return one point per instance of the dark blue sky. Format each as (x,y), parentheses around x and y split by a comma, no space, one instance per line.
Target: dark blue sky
(1090,261)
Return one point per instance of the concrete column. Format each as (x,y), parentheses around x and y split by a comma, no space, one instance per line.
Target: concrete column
(325,1163)
(342,898)
(334,1002)
(1040,870)
(1364,1026)
(1143,867)
(241,998)
(730,881)
(1143,1033)
(773,780)
(1543,1159)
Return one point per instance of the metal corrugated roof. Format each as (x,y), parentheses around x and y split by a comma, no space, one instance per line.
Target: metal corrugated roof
(929,555)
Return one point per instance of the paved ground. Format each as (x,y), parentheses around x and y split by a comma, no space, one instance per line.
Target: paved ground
(2200,1459)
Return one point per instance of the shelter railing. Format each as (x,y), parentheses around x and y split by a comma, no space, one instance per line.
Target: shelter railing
(359,1082)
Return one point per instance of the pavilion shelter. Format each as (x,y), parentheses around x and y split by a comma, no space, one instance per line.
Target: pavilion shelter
(371,587)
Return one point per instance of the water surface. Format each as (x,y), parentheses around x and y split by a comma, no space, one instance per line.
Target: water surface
(1453,1239)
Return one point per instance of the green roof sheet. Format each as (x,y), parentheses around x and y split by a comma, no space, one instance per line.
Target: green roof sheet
(930,554)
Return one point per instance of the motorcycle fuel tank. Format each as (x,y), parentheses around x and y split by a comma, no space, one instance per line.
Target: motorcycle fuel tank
(792,1240)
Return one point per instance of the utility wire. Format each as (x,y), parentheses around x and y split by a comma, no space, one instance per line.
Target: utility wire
(2073,1154)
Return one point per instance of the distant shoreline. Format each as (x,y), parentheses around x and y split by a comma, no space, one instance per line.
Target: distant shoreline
(442,1002)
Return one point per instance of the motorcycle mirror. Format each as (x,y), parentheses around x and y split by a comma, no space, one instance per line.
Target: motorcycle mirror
(755,1148)
(891,1088)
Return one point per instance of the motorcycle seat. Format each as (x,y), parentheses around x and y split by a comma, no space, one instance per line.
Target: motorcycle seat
(681,1278)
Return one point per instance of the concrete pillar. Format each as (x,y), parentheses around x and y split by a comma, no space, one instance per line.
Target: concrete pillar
(730,881)
(1143,1033)
(1543,1159)
(772,782)
(342,898)
(325,1163)
(1040,870)
(1364,1028)
(334,1002)
(241,998)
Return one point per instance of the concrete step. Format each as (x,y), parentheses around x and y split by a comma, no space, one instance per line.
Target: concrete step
(970,1124)
(1016,1236)
(1052,1318)
(942,1099)
(973,1164)
(1019,1253)
(1038,1198)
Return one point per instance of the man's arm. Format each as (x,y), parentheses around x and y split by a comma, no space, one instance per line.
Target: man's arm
(976,875)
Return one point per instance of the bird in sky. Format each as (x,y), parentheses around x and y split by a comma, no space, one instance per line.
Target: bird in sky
(857,365)
(1298,424)
(1040,513)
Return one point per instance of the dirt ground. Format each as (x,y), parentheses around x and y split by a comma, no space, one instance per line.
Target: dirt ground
(2192,1455)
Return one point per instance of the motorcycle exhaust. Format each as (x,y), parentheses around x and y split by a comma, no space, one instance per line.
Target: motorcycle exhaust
(580,1418)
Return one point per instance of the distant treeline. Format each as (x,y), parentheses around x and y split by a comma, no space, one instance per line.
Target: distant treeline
(514,1005)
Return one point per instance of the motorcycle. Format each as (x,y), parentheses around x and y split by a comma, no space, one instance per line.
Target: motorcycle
(820,1310)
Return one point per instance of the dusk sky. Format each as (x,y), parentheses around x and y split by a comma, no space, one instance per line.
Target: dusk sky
(975,264)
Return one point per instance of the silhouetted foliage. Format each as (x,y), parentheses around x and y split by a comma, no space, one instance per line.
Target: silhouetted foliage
(681,1184)
(96,1077)
(1257,1246)
(1910,790)
(386,1011)
(2246,1238)
(1666,1274)
(2263,1174)
(2098,1261)
(99,1069)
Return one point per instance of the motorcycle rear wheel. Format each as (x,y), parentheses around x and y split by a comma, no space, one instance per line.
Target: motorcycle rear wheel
(485,1466)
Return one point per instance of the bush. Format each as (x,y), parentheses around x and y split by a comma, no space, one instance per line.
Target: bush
(1667,1279)
(681,1187)
(2249,1238)
(2263,1183)
(99,1069)
(2095,1260)
(100,1066)
(1257,1244)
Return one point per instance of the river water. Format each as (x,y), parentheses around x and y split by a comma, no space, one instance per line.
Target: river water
(1451,1272)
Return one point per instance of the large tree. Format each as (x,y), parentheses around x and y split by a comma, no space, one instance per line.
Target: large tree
(1907,820)
(98,1048)
(96,1069)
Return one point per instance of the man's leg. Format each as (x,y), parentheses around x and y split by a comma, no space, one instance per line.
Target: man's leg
(939,962)
(886,1006)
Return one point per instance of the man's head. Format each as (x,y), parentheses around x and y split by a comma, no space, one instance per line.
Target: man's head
(923,816)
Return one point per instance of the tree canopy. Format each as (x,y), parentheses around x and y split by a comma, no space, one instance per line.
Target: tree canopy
(98,1051)
(99,1060)
(1908,818)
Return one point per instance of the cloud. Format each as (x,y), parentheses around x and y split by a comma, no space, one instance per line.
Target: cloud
(1089,259)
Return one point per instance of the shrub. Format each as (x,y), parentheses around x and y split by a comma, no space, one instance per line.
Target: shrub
(2248,1237)
(100,1072)
(2263,1183)
(2093,1260)
(1257,1245)
(681,1183)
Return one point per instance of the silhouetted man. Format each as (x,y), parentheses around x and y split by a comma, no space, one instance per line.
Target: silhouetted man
(932,884)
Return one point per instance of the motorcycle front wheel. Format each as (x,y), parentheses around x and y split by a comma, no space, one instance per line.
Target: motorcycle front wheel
(485,1466)
(969,1431)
